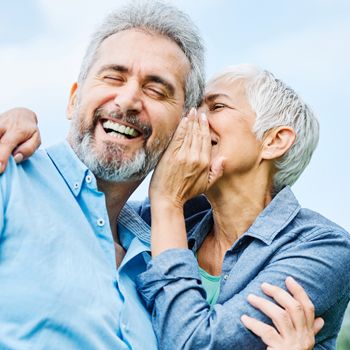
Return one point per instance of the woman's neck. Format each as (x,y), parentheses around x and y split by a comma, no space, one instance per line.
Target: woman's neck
(236,204)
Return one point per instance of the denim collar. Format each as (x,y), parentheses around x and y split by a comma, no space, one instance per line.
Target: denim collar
(272,220)
(132,221)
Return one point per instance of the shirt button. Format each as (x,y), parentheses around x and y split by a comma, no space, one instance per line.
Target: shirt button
(225,277)
(88,179)
(76,185)
(125,327)
(100,222)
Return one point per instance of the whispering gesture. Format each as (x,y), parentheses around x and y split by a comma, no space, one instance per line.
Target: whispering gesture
(186,168)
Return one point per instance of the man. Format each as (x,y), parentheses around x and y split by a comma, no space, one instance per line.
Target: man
(59,285)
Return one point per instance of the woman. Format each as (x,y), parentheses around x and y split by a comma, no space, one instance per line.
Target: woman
(253,139)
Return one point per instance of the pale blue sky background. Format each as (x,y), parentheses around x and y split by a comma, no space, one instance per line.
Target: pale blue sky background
(306,43)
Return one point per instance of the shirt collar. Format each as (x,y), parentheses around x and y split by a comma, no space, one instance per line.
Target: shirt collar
(129,218)
(272,220)
(275,217)
(72,169)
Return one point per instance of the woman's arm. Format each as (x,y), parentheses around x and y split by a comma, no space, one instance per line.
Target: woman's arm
(19,135)
(172,186)
(172,290)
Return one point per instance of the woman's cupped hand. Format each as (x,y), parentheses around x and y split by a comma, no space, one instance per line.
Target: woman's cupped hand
(186,168)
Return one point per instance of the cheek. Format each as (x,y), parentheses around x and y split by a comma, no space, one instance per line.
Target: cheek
(241,151)
(165,123)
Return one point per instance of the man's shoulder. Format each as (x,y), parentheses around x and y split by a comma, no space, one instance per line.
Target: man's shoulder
(25,168)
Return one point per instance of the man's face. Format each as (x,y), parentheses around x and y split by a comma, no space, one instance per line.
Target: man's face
(128,107)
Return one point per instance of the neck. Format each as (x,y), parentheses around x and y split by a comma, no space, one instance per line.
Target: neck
(116,194)
(236,203)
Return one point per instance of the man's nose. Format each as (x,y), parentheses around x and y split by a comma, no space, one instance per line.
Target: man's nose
(128,98)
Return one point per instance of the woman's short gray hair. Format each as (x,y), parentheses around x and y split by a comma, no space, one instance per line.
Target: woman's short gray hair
(275,104)
(161,18)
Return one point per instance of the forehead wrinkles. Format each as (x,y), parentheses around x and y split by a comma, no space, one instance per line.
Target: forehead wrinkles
(144,50)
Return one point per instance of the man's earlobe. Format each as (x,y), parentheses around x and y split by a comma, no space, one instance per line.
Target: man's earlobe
(277,142)
(72,100)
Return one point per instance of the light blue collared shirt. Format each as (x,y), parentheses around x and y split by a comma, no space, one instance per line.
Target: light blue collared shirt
(59,286)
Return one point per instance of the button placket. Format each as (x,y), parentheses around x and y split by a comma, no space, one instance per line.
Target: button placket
(88,179)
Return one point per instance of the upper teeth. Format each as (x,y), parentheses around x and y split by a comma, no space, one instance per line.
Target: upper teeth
(120,128)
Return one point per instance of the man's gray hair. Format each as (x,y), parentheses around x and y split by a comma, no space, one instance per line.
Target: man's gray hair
(275,104)
(160,18)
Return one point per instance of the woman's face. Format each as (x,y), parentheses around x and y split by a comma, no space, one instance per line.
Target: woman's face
(231,121)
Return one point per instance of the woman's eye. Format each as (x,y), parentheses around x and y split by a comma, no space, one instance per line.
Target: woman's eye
(217,106)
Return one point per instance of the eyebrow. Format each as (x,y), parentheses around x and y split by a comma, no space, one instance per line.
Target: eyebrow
(157,79)
(212,97)
(114,67)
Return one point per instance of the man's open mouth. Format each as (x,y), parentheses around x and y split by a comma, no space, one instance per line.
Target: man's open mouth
(119,130)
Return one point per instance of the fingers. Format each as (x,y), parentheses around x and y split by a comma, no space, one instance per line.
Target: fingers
(216,170)
(279,316)
(187,136)
(206,139)
(27,148)
(318,325)
(300,295)
(292,306)
(8,144)
(194,135)
(17,127)
(179,134)
(267,333)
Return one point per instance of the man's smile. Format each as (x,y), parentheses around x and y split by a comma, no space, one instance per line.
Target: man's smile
(117,129)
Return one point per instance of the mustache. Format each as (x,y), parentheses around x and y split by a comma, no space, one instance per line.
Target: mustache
(129,118)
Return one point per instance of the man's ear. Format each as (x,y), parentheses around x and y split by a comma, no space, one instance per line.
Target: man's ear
(277,142)
(72,100)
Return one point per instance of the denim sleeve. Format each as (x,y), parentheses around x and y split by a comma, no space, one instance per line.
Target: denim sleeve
(194,210)
(182,319)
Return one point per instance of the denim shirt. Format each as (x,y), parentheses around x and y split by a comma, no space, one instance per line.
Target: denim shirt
(284,240)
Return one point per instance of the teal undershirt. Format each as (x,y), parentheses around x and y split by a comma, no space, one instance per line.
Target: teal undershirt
(211,285)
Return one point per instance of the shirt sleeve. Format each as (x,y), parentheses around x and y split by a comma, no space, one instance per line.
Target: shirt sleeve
(182,319)
(194,210)
(2,218)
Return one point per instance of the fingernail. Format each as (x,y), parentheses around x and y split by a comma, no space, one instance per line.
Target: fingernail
(193,111)
(185,119)
(244,318)
(251,297)
(266,285)
(204,116)
(18,157)
(290,278)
